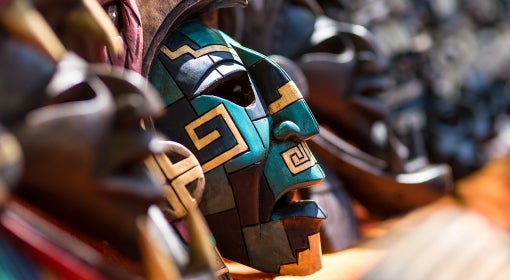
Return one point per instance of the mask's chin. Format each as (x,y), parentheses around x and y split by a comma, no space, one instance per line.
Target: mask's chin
(289,243)
(302,220)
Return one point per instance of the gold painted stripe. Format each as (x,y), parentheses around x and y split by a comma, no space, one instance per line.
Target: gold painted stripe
(176,207)
(179,185)
(161,169)
(289,94)
(155,171)
(195,53)
(200,143)
(172,170)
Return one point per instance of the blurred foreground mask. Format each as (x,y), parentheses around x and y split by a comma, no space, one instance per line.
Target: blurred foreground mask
(247,123)
(84,150)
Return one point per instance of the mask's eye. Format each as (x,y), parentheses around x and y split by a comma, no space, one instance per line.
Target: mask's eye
(236,88)
(112,9)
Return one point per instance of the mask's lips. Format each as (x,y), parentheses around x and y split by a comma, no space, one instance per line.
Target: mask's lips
(299,209)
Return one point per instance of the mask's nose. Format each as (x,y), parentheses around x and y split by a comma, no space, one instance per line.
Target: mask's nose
(288,131)
(293,120)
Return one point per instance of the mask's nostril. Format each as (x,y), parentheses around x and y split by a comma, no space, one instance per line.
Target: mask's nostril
(287,130)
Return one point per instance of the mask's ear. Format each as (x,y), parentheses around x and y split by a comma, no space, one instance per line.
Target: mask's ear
(159,17)
(21,20)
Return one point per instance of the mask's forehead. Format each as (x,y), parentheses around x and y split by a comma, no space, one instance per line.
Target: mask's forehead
(191,54)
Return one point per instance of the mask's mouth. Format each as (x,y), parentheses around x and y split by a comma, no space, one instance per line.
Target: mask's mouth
(292,170)
(289,206)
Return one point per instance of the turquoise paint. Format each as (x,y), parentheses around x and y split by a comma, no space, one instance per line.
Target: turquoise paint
(256,149)
(279,177)
(164,83)
(263,128)
(298,113)
(248,56)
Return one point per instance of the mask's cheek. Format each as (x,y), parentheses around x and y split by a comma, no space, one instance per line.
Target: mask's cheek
(224,134)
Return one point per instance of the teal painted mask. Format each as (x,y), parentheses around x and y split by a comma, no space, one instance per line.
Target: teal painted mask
(247,124)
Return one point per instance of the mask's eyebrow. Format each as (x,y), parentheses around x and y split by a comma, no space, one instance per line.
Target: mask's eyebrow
(185,49)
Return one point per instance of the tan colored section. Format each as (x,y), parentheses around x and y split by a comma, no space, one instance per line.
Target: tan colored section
(200,143)
(298,158)
(174,177)
(309,261)
(195,53)
(289,94)
(178,208)
(187,178)
(21,20)
(155,170)
(173,170)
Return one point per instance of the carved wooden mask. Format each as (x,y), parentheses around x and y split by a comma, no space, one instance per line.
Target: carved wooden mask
(247,124)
